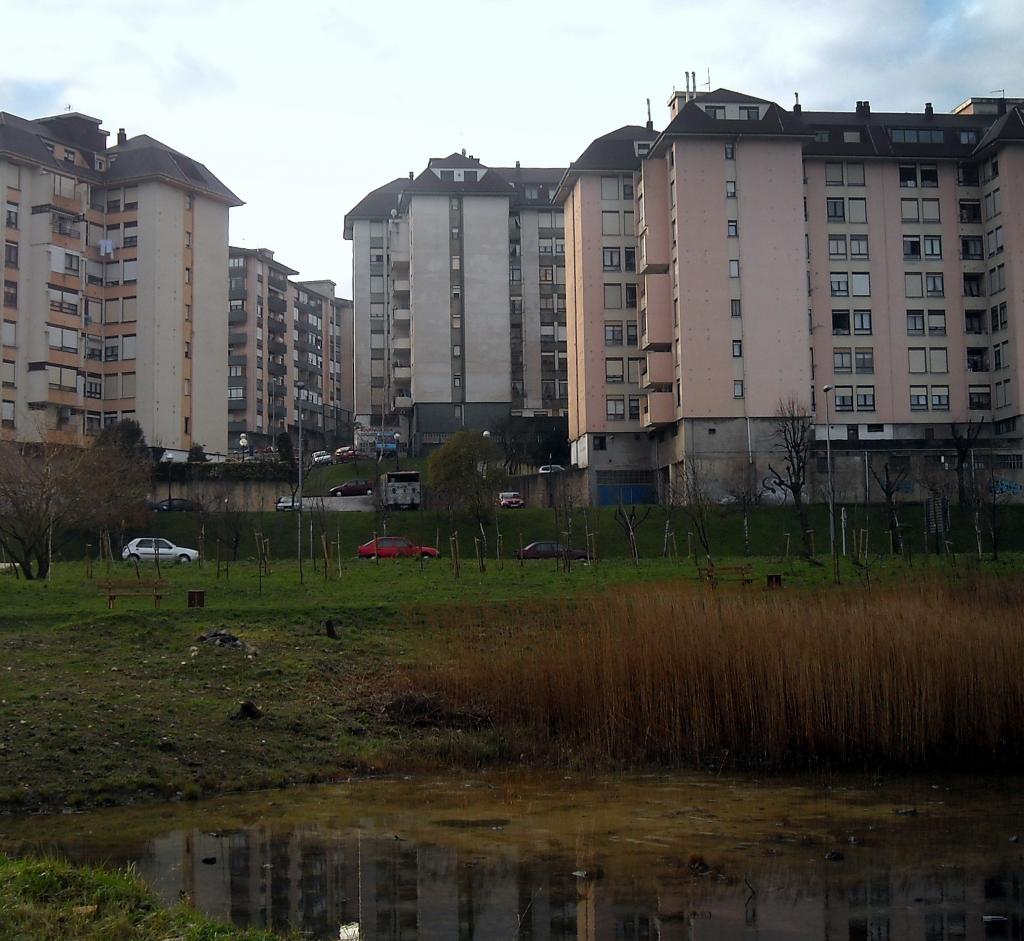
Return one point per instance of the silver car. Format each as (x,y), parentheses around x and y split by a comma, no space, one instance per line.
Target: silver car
(147,548)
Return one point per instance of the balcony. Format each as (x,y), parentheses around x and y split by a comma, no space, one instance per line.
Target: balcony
(276,326)
(277,410)
(277,305)
(657,409)
(276,390)
(656,318)
(277,369)
(236,405)
(277,280)
(400,286)
(236,316)
(401,343)
(659,370)
(401,372)
(276,347)
(401,315)
(403,401)
(236,292)
(237,338)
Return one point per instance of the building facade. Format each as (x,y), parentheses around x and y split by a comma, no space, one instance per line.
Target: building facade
(115,285)
(459,300)
(286,352)
(782,252)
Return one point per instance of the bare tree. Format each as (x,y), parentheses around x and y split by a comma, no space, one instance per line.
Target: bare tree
(963,442)
(890,482)
(793,432)
(630,522)
(697,501)
(744,485)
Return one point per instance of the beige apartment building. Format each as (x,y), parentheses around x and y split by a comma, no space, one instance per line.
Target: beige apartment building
(289,350)
(115,285)
(783,251)
(459,301)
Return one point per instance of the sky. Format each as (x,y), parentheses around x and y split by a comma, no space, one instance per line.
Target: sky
(302,108)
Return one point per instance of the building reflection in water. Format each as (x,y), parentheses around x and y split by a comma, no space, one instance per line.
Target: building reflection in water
(316,880)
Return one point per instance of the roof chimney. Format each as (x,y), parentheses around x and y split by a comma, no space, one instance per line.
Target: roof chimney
(863,109)
(517,164)
(463,151)
(650,124)
(411,175)
(796,106)
(929,111)
(122,138)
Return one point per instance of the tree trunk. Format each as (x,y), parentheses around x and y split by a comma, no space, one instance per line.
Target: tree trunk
(894,525)
(801,515)
(746,530)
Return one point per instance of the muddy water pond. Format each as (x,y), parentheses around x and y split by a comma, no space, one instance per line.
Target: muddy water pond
(508,855)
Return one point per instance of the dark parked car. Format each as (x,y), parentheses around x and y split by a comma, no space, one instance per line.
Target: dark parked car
(394,547)
(175,505)
(552,550)
(352,488)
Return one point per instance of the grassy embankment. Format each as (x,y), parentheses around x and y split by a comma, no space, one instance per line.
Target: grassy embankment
(105,706)
(53,900)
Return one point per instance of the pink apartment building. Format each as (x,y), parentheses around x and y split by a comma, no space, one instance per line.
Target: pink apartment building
(778,252)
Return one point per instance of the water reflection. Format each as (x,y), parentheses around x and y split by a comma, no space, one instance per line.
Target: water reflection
(423,866)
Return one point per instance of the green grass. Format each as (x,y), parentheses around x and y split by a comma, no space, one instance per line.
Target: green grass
(770,530)
(53,900)
(102,707)
(321,479)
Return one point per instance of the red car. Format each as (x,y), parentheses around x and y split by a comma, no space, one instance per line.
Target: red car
(352,488)
(395,547)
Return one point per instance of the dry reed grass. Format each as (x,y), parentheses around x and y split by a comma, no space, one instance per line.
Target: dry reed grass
(925,674)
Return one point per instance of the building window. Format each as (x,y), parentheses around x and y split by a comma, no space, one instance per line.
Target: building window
(834,174)
(842,360)
(935,285)
(630,258)
(730,151)
(613,370)
(737,388)
(11,216)
(611,223)
(631,334)
(630,291)
(732,228)
(612,334)
(913,284)
(734,268)
(919,398)
(857,209)
(737,349)
(940,398)
(613,296)
(615,408)
(10,254)
(634,408)
(864,360)
(835,210)
(936,323)
(844,398)
(855,174)
(840,323)
(837,246)
(865,398)
(915,323)
(917,360)
(735,308)
(10,293)
(730,189)
(862,322)
(979,398)
(609,187)
(839,284)
(612,259)
(912,248)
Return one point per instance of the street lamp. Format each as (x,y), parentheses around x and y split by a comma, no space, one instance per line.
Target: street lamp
(831,487)
(299,388)
(243,444)
(398,439)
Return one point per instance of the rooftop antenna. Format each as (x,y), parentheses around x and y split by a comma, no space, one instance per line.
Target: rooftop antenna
(1001,92)
(648,110)
(67,108)
(708,82)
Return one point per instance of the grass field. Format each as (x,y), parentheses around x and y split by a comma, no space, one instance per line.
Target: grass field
(53,900)
(103,706)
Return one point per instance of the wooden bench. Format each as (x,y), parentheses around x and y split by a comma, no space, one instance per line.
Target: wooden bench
(114,590)
(714,575)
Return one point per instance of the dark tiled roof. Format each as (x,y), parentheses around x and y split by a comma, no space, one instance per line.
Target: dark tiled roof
(454,161)
(140,158)
(377,204)
(143,157)
(692,119)
(1007,127)
(428,183)
(264,254)
(615,151)
(727,96)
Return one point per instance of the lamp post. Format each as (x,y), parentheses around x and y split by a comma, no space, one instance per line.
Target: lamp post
(243,444)
(398,440)
(299,388)
(831,485)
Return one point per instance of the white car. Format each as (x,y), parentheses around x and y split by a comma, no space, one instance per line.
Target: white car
(287,504)
(551,469)
(321,457)
(147,548)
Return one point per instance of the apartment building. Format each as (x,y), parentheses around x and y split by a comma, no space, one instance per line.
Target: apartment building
(459,300)
(115,285)
(783,251)
(605,361)
(287,353)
